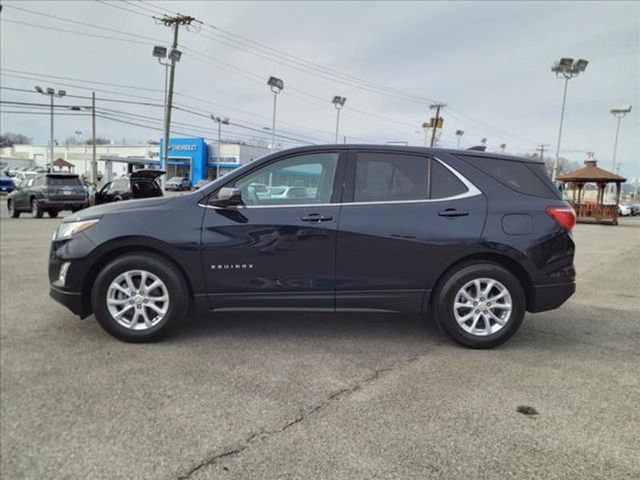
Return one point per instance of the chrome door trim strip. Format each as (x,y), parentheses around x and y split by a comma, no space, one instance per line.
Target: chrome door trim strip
(472,191)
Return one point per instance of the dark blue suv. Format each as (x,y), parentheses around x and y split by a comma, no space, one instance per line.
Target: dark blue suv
(472,239)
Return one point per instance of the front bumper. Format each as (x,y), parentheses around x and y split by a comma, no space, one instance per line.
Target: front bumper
(72,300)
(548,297)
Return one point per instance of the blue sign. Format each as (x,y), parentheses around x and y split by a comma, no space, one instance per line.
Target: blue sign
(187,151)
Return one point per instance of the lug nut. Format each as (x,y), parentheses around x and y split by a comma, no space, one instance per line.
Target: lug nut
(475,303)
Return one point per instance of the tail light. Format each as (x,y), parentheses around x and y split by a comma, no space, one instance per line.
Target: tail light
(565,216)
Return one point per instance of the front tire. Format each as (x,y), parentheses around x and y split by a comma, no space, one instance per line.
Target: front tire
(140,298)
(480,305)
(36,210)
(53,213)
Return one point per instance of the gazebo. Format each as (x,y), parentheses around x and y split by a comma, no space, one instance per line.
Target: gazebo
(60,164)
(593,210)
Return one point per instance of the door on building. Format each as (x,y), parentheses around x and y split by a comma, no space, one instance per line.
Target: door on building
(277,251)
(178,167)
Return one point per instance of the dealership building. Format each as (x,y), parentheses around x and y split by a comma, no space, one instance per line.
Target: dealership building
(188,157)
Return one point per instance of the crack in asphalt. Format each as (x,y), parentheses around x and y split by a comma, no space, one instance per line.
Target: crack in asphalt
(263,435)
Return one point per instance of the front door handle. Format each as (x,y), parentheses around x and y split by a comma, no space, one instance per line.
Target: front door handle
(452,212)
(316,217)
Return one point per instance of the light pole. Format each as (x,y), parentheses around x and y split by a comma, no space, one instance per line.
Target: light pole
(276,85)
(78,133)
(425,127)
(459,134)
(161,53)
(565,68)
(618,113)
(503,147)
(338,102)
(220,122)
(52,93)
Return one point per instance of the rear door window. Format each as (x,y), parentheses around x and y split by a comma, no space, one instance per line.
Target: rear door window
(390,177)
(523,177)
(444,184)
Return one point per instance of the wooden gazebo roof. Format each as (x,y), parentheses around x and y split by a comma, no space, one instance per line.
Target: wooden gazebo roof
(591,173)
(62,163)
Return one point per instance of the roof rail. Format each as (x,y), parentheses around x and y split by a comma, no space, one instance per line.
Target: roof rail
(478,148)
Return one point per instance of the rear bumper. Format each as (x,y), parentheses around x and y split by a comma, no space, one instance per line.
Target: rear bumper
(548,297)
(62,204)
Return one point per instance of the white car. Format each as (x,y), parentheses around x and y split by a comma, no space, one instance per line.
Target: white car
(624,210)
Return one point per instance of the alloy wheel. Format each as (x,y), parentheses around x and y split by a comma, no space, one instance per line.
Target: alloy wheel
(137,300)
(482,306)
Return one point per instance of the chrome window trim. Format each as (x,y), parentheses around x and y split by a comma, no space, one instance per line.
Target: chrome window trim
(472,191)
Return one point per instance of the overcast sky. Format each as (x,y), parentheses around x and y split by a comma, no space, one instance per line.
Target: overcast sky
(488,61)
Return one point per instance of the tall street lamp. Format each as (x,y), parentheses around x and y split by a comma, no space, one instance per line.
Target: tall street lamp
(276,85)
(338,102)
(220,122)
(425,127)
(459,134)
(52,93)
(565,68)
(160,53)
(618,113)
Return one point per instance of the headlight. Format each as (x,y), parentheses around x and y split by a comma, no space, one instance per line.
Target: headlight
(67,230)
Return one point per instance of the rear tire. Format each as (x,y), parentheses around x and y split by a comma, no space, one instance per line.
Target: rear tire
(480,305)
(52,213)
(129,307)
(36,210)
(13,213)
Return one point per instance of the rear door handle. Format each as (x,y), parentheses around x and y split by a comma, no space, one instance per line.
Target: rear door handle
(316,217)
(452,212)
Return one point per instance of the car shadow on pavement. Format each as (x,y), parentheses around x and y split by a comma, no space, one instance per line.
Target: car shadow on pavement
(373,327)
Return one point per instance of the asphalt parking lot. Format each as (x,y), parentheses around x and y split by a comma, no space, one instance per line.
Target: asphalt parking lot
(318,396)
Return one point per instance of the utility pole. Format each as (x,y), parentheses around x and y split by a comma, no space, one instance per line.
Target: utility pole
(542,147)
(94,161)
(174,56)
(436,121)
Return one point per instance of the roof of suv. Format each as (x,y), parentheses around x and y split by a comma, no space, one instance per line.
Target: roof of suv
(413,149)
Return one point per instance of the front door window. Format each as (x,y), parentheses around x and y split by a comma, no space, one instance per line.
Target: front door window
(299,180)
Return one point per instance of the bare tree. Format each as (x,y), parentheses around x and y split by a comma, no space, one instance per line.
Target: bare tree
(10,139)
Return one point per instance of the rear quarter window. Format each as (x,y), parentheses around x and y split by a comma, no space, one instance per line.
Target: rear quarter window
(523,177)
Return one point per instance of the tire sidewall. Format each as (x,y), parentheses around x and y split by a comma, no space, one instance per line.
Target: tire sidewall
(176,287)
(36,211)
(445,298)
(13,213)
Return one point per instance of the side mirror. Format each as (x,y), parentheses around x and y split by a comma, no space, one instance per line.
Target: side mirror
(227,197)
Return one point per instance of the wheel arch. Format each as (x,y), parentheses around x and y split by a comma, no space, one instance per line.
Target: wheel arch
(119,250)
(502,260)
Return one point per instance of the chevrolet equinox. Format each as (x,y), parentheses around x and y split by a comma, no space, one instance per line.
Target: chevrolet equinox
(472,239)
